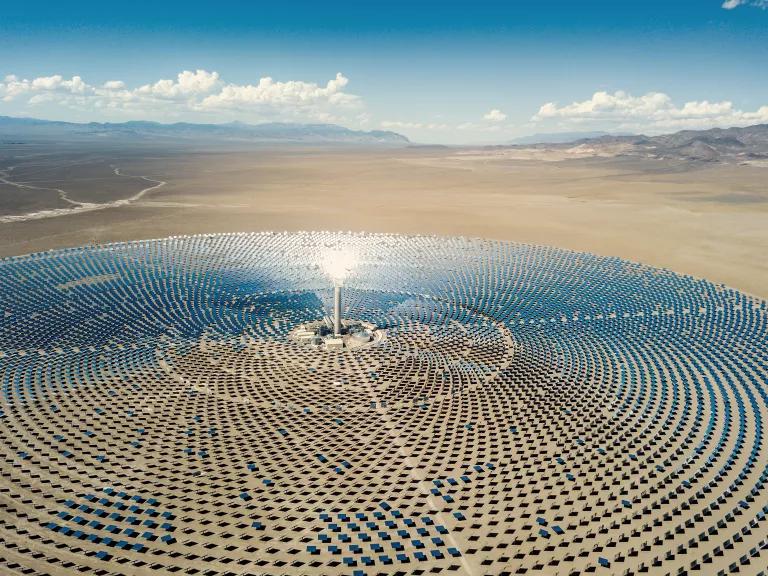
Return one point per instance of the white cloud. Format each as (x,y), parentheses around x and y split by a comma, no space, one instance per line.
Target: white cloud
(14,87)
(651,111)
(731,4)
(363,119)
(495,115)
(190,94)
(187,84)
(292,93)
(113,85)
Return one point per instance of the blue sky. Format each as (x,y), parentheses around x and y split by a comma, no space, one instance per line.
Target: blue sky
(444,71)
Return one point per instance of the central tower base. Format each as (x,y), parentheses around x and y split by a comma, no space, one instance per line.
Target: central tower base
(337,334)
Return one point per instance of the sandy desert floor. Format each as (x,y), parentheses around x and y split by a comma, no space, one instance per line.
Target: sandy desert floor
(709,222)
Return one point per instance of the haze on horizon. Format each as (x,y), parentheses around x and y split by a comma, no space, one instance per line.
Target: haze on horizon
(438,72)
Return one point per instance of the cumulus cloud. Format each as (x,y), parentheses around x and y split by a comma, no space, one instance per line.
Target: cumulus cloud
(654,110)
(114,85)
(731,4)
(13,86)
(293,93)
(191,92)
(495,115)
(186,84)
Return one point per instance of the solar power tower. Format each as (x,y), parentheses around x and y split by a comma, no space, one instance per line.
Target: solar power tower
(337,310)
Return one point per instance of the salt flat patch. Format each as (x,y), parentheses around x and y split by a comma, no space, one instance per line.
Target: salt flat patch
(88,281)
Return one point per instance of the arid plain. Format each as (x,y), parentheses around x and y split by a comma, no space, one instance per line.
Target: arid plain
(707,220)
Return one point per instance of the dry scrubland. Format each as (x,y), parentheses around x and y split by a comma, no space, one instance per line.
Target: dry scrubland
(709,221)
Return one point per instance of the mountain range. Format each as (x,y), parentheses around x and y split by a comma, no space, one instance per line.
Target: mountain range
(233,132)
(729,145)
(562,137)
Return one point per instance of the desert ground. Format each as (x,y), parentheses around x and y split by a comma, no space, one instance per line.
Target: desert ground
(708,221)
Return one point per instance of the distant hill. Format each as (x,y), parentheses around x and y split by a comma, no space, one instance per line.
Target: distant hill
(730,145)
(233,132)
(562,137)
(719,143)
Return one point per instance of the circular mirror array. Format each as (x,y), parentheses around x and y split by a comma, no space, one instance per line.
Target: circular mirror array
(530,410)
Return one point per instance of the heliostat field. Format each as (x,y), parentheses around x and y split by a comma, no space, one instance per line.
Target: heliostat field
(516,409)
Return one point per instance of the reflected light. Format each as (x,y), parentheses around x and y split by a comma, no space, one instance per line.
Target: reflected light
(338,263)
